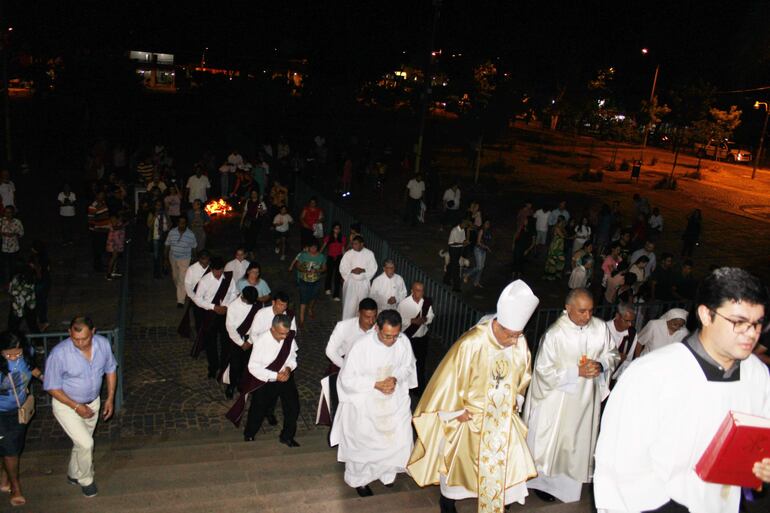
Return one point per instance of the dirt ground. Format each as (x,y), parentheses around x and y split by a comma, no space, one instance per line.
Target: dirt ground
(540,167)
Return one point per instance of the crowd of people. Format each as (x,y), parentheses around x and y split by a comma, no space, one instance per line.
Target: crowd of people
(489,423)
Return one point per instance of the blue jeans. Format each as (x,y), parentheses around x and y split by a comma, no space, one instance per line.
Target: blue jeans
(481,258)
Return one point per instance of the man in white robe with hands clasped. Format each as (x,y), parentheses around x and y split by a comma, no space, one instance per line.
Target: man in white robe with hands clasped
(357,268)
(372,425)
(571,378)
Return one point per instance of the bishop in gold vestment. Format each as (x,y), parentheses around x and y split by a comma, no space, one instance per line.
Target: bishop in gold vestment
(470,439)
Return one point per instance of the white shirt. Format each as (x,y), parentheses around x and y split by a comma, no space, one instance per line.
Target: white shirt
(415,188)
(342,338)
(656,222)
(207,289)
(615,335)
(281,222)
(238,268)
(8,194)
(553,217)
(578,278)
(198,186)
(457,236)
(235,159)
(650,267)
(266,349)
(263,321)
(384,288)
(409,309)
(541,220)
(67,210)
(453,196)
(236,313)
(192,277)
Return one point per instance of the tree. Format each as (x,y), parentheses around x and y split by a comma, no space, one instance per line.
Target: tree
(719,126)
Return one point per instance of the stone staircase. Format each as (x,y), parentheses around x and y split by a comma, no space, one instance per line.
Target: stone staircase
(219,473)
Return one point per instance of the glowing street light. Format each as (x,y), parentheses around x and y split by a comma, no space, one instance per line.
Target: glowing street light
(645,51)
(761,138)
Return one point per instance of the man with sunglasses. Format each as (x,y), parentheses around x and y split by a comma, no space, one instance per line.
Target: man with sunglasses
(668,405)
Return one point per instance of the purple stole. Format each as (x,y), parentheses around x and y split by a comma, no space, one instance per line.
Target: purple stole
(184,325)
(242,330)
(324,417)
(412,329)
(209,315)
(250,384)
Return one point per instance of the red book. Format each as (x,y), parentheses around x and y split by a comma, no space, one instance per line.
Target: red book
(741,441)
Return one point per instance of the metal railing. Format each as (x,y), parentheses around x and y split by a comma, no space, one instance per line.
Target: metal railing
(452,315)
(44,342)
(544,317)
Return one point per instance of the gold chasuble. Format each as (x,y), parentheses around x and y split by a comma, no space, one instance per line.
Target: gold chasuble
(487,454)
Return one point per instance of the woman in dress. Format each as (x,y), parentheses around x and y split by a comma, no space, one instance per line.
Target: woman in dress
(17,368)
(582,235)
(334,245)
(197,220)
(310,216)
(554,263)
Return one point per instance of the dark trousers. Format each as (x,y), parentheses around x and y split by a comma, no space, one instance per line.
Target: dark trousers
(453,269)
(30,316)
(412,211)
(216,342)
(8,265)
(98,247)
(266,395)
(333,277)
(420,349)
(42,288)
(238,361)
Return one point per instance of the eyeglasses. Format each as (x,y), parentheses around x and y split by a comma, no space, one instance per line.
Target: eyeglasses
(741,327)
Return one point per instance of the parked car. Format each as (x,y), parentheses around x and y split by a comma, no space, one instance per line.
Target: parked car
(722,150)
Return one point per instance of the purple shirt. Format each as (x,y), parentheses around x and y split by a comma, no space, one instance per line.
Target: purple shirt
(67,369)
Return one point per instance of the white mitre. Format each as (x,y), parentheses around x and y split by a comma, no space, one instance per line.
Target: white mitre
(515,306)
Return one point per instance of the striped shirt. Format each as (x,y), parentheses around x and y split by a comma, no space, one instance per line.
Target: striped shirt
(98,217)
(181,244)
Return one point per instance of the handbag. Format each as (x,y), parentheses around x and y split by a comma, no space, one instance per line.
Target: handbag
(318,230)
(26,410)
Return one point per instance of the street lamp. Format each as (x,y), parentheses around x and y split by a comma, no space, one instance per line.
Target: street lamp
(647,128)
(761,138)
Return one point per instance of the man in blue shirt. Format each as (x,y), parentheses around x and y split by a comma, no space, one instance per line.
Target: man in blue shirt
(73,376)
(180,243)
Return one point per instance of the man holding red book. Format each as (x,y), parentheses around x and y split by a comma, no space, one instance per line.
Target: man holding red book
(669,405)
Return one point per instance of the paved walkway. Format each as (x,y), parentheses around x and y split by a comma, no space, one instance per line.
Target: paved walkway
(166,392)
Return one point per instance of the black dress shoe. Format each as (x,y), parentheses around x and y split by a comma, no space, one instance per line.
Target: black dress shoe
(447,505)
(271,419)
(247,438)
(289,442)
(364,491)
(544,496)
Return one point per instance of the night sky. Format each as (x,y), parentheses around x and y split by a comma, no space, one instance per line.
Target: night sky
(544,43)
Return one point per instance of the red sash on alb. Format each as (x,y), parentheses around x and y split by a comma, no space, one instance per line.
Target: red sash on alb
(249,383)
(412,329)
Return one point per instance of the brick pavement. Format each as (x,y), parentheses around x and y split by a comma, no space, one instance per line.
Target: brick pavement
(166,392)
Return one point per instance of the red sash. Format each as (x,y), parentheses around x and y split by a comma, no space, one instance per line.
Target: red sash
(243,330)
(184,324)
(412,329)
(249,383)
(209,316)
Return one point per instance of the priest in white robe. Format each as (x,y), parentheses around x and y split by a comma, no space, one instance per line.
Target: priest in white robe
(344,335)
(357,268)
(388,289)
(669,404)
(570,379)
(372,425)
(470,439)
